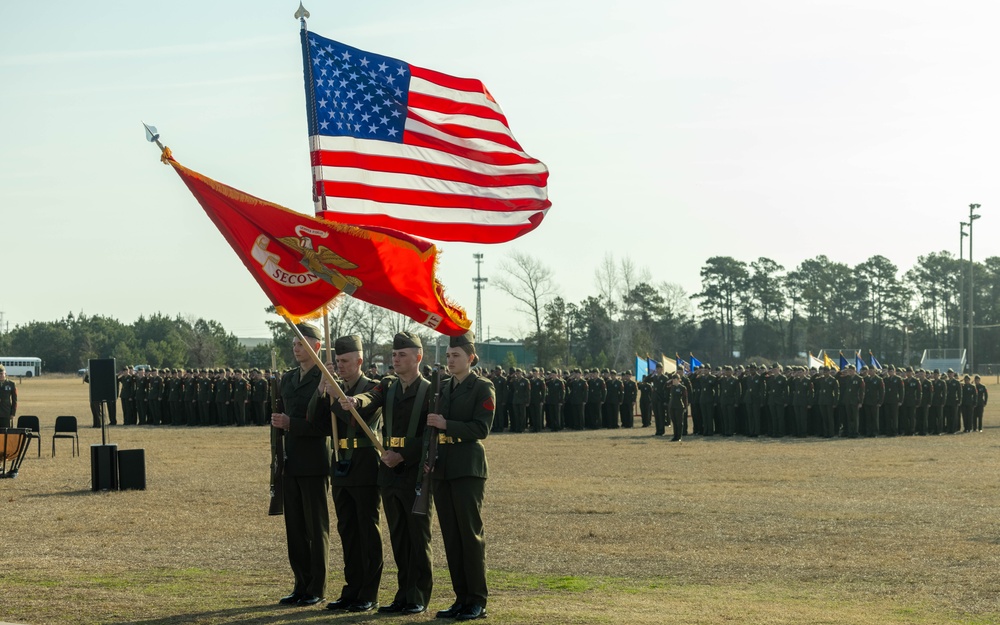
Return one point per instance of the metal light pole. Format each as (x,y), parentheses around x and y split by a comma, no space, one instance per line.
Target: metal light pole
(480,285)
(961,285)
(972,293)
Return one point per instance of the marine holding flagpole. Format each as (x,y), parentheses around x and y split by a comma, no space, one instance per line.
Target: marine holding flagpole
(306,422)
(468,403)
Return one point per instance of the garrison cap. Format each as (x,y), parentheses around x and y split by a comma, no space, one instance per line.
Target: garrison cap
(951,371)
(403,340)
(628,372)
(347,344)
(613,372)
(469,338)
(309,330)
(935,371)
(2,369)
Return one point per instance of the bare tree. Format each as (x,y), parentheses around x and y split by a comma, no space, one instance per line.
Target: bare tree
(531,284)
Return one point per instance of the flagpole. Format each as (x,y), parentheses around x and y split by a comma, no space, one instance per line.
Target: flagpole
(329,357)
(311,118)
(336,387)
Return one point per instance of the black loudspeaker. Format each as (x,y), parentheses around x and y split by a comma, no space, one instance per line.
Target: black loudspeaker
(103,383)
(132,469)
(103,467)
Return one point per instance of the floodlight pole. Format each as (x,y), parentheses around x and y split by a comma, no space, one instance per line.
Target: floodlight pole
(972,293)
(961,285)
(480,282)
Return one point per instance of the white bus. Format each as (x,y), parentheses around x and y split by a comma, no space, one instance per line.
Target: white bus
(18,366)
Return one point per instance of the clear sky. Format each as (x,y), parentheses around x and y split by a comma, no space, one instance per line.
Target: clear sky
(673,131)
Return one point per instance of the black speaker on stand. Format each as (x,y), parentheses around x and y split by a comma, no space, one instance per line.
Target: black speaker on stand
(103,457)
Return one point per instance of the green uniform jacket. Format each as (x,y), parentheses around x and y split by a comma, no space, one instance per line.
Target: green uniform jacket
(363,460)
(729,391)
(894,390)
(827,391)
(555,393)
(537,390)
(874,391)
(578,391)
(912,391)
(953,395)
(852,391)
(307,445)
(468,407)
(520,389)
(402,411)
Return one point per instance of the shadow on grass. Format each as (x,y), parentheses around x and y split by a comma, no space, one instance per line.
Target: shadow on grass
(68,493)
(261,614)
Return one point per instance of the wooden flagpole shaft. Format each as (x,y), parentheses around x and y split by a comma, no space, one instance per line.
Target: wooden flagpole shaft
(329,355)
(336,387)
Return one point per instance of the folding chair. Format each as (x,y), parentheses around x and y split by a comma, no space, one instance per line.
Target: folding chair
(30,422)
(66,428)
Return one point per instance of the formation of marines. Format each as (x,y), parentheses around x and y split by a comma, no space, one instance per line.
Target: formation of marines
(557,399)
(781,401)
(195,396)
(753,401)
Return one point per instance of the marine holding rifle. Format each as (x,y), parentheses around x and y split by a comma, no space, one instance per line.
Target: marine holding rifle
(405,401)
(467,407)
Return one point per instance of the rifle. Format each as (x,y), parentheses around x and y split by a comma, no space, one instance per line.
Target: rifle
(421,504)
(277,504)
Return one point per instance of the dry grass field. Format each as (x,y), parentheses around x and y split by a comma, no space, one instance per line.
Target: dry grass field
(583,527)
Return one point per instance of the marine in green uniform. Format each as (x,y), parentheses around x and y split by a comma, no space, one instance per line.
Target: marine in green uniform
(827,397)
(982,398)
(8,399)
(630,390)
(355,486)
(467,407)
(520,391)
(141,391)
(576,400)
(969,398)
(874,397)
(306,422)
(852,396)
(895,391)
(538,390)
(777,401)
(645,401)
(405,400)
(730,395)
(676,394)
(241,397)
(127,380)
(555,397)
(613,400)
(500,384)
(952,402)
(926,400)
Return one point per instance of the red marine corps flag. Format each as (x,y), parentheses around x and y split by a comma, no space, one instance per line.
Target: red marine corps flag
(303,263)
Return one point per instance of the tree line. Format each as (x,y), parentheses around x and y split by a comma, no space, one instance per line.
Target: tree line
(66,345)
(758,310)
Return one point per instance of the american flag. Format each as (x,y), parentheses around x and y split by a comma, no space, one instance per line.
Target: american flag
(398,146)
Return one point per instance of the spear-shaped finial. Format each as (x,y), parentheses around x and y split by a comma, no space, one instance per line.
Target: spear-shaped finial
(301,14)
(154,137)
